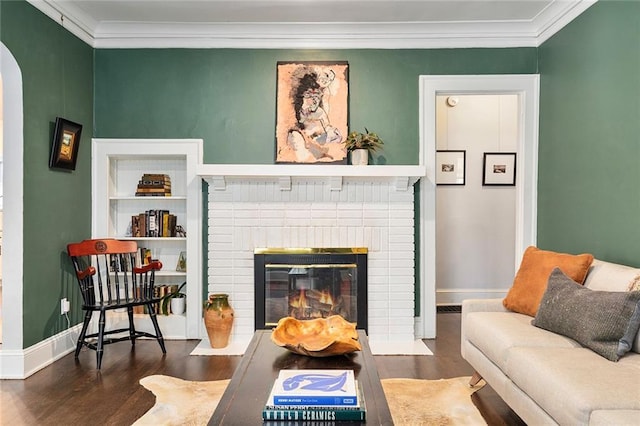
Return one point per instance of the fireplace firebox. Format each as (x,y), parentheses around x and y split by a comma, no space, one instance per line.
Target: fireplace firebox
(309,283)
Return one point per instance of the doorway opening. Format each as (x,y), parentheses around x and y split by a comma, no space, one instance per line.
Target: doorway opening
(526,88)
(475,216)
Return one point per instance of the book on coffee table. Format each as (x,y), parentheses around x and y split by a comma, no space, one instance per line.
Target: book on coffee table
(324,413)
(327,388)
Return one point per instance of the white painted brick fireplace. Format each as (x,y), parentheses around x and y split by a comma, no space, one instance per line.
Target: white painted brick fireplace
(290,207)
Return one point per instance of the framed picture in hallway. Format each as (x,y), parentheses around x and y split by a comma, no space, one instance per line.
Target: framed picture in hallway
(450,167)
(311,112)
(499,169)
(66,141)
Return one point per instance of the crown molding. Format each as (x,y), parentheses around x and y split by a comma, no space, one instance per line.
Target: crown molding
(559,20)
(387,35)
(316,35)
(76,22)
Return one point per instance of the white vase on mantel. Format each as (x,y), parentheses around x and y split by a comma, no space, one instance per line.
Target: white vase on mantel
(360,157)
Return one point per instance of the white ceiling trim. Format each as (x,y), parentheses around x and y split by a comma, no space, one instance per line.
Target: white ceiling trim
(557,22)
(77,23)
(378,35)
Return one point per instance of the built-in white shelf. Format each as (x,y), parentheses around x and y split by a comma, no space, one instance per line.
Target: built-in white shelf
(219,174)
(117,165)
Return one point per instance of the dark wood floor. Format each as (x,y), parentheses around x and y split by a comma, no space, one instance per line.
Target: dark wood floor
(71,392)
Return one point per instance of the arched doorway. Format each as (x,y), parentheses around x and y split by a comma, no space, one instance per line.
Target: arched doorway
(11,357)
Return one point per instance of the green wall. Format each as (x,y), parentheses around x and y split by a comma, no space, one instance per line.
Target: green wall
(589,156)
(227,96)
(57,78)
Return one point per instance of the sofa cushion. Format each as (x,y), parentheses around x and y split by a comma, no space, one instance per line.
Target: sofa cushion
(614,417)
(605,321)
(572,383)
(612,277)
(531,279)
(495,333)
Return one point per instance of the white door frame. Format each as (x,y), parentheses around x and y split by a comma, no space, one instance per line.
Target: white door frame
(527,88)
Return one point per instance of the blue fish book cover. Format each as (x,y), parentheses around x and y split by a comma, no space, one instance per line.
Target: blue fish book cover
(315,388)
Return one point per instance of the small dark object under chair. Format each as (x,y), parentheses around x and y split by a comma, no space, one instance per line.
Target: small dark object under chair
(109,280)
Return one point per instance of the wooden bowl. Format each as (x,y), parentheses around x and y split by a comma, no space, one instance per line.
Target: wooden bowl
(319,337)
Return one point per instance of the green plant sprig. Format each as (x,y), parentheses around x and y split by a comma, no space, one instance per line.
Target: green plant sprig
(166,299)
(368,140)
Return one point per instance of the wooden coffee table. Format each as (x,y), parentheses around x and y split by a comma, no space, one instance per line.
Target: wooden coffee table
(248,390)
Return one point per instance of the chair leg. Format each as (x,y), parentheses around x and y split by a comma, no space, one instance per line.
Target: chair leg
(83,332)
(99,348)
(154,320)
(132,327)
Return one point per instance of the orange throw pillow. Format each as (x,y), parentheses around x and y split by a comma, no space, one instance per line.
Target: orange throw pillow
(531,280)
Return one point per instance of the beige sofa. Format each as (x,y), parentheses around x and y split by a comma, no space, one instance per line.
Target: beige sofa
(547,378)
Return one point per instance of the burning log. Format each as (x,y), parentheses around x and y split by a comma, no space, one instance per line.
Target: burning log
(311,303)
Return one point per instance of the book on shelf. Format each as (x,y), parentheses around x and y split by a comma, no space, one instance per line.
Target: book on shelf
(154,185)
(143,257)
(153,194)
(320,413)
(151,178)
(327,388)
(142,224)
(135,226)
(152,229)
(138,295)
(154,223)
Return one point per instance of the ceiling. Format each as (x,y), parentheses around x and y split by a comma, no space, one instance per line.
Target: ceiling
(313,23)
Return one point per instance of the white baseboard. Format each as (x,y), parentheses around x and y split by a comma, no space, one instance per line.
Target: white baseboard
(20,364)
(456,296)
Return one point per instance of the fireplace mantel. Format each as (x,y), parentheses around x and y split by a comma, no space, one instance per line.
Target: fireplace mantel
(219,174)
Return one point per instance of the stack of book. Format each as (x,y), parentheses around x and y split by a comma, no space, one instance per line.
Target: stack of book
(154,185)
(315,395)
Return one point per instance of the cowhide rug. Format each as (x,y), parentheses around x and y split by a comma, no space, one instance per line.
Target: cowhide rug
(417,402)
(413,402)
(181,402)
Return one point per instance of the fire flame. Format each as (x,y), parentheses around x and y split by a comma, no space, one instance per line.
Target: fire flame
(326,298)
(311,304)
(300,301)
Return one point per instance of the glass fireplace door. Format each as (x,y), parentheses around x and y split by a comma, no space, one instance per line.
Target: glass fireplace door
(310,283)
(310,291)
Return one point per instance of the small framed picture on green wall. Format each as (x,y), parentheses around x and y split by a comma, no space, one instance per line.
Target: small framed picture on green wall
(65,144)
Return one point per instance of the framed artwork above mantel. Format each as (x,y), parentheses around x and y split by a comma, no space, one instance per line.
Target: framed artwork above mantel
(312,112)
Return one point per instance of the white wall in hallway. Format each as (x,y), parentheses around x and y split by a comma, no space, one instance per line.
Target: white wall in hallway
(475,224)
